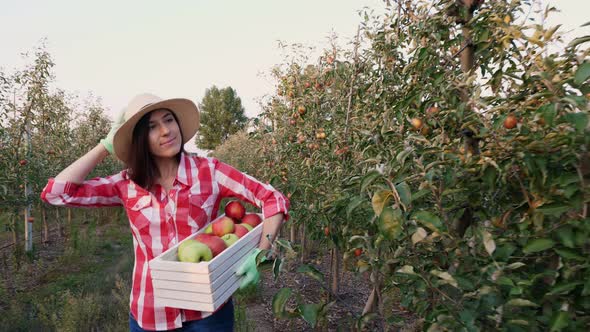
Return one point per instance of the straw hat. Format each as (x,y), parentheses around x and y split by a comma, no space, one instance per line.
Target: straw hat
(185,110)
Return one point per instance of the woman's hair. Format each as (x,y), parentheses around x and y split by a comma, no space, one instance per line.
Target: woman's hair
(142,167)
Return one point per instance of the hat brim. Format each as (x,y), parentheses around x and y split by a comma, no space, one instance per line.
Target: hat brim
(185,111)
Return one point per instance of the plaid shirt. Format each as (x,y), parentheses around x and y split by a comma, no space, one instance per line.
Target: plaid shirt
(159,220)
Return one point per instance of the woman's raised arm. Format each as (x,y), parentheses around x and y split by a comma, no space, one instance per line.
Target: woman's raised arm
(79,169)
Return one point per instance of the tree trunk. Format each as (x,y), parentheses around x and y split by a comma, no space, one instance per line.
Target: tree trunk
(60,228)
(13,226)
(467,58)
(303,244)
(45,226)
(69,222)
(335,271)
(292,233)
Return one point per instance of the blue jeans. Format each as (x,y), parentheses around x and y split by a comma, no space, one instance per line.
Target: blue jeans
(220,321)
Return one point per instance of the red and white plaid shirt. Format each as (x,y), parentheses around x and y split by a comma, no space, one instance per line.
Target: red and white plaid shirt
(159,220)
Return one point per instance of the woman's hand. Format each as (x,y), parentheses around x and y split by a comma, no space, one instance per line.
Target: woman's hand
(107,142)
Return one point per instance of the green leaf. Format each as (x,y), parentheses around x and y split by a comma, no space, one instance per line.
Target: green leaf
(276,268)
(569,254)
(579,41)
(548,112)
(428,219)
(521,303)
(420,194)
(405,193)
(566,236)
(401,157)
(380,199)
(310,313)
(368,179)
(537,245)
(390,223)
(554,210)
(354,203)
(559,321)
(564,288)
(312,272)
(578,120)
(582,73)
(279,301)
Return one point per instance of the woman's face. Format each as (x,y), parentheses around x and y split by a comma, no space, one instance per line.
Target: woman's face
(165,140)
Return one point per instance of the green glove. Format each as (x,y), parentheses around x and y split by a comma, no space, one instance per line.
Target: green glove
(108,141)
(249,269)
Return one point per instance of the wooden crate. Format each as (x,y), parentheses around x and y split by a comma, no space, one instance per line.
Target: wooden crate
(202,286)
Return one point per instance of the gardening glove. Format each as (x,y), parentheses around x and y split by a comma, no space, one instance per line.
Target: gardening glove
(108,141)
(249,269)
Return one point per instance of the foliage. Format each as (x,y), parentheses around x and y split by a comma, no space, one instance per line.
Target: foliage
(222,114)
(396,150)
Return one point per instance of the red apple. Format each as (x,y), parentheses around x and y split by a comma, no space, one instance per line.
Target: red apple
(252,219)
(234,210)
(240,230)
(510,121)
(216,244)
(223,226)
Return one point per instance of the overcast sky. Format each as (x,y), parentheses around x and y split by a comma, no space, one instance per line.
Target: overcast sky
(179,48)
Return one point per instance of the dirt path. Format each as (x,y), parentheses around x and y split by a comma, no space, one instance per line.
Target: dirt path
(352,297)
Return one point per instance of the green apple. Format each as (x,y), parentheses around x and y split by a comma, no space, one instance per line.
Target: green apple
(194,251)
(249,227)
(229,238)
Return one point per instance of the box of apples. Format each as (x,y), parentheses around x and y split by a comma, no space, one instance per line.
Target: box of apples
(199,272)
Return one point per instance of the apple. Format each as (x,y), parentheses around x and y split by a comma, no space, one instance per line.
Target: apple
(216,244)
(247,226)
(234,210)
(358,252)
(223,226)
(327,231)
(194,251)
(209,229)
(251,219)
(241,230)
(230,239)
(510,122)
(432,110)
(416,123)
(23,162)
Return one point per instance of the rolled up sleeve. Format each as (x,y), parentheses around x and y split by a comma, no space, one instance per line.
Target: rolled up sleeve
(234,183)
(96,192)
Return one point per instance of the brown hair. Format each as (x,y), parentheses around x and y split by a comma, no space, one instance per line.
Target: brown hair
(142,167)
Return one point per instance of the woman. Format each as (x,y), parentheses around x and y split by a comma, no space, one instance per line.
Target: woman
(168,195)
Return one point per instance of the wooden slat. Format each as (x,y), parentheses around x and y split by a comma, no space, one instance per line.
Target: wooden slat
(195,305)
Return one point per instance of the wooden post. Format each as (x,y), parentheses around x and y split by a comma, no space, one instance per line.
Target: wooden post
(28,194)
(45,226)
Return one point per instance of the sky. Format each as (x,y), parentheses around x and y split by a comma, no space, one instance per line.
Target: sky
(179,48)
